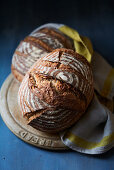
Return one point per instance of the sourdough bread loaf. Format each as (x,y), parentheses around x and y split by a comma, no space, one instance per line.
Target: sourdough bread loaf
(36,45)
(56,91)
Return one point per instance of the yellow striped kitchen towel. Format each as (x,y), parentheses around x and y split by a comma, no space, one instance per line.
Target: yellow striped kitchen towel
(94,132)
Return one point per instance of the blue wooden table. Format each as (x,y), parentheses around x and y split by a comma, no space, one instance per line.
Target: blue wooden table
(95,20)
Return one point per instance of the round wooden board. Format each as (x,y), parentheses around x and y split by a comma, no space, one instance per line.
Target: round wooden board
(11,114)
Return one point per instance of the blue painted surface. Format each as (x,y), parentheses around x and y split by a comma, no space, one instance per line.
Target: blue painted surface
(94,19)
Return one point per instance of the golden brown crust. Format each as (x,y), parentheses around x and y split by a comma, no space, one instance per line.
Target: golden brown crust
(35,46)
(52,91)
(74,54)
(38,43)
(18,76)
(35,123)
(59,35)
(56,91)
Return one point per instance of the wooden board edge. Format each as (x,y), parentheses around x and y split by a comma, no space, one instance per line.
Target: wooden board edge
(41,143)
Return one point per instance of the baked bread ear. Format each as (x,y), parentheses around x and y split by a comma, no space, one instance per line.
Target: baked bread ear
(56,91)
(36,45)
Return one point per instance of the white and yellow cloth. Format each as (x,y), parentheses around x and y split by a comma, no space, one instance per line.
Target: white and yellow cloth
(94,132)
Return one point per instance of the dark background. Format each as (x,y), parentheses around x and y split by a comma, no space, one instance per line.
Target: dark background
(92,18)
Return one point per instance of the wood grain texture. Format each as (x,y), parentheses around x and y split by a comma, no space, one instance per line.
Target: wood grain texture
(11,115)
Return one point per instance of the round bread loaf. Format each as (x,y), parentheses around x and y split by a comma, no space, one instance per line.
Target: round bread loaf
(56,91)
(36,45)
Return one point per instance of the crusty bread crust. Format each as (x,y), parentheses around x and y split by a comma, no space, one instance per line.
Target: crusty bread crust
(34,123)
(56,91)
(34,47)
(18,76)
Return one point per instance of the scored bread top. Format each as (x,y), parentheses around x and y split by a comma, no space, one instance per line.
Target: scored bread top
(60,82)
(35,46)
